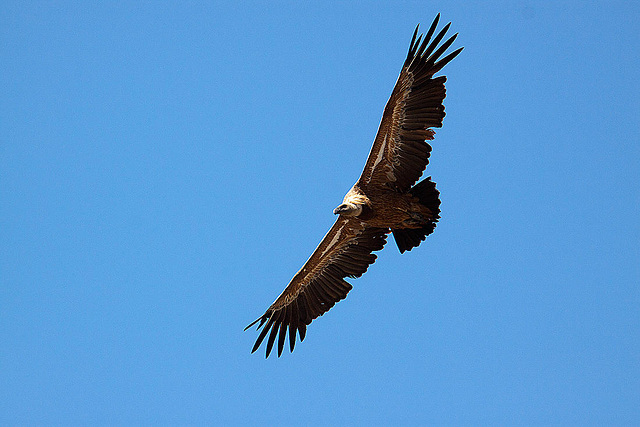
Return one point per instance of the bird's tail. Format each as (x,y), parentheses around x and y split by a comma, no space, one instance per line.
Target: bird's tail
(429,196)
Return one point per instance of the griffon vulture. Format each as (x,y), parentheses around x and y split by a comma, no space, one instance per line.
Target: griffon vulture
(383,200)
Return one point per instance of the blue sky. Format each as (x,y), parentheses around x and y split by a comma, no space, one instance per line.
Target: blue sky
(165,169)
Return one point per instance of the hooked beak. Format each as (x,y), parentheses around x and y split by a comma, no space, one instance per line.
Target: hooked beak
(339,209)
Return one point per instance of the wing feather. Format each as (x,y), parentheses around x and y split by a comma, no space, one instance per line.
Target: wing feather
(400,151)
(293,324)
(346,251)
(274,330)
(283,329)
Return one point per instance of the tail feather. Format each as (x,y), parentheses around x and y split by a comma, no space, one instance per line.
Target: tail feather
(429,196)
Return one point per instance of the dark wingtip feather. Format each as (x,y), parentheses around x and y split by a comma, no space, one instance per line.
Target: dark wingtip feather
(283,335)
(437,40)
(413,39)
(413,47)
(302,330)
(263,333)
(253,323)
(444,61)
(419,44)
(432,28)
(443,48)
(259,340)
(292,336)
(274,331)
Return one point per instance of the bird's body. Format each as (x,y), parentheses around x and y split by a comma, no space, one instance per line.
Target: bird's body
(384,199)
(388,208)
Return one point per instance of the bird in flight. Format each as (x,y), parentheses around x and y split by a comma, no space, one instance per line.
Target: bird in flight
(384,199)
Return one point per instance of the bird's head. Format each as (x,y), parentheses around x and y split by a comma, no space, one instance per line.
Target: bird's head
(348,209)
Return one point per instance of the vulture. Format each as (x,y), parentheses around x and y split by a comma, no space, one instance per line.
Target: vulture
(385,199)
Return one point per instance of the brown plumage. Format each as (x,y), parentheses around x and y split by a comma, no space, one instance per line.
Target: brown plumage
(383,200)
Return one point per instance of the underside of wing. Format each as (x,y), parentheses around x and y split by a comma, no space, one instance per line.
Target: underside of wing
(346,251)
(400,152)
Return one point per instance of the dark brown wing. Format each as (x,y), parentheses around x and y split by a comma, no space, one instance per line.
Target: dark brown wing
(400,152)
(346,250)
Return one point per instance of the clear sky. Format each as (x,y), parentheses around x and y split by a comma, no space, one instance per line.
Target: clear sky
(166,167)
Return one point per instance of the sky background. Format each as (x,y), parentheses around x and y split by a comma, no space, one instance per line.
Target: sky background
(166,167)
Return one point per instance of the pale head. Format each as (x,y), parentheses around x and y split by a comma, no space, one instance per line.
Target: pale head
(348,209)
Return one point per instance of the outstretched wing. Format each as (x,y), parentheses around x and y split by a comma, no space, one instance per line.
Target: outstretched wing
(346,250)
(400,152)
